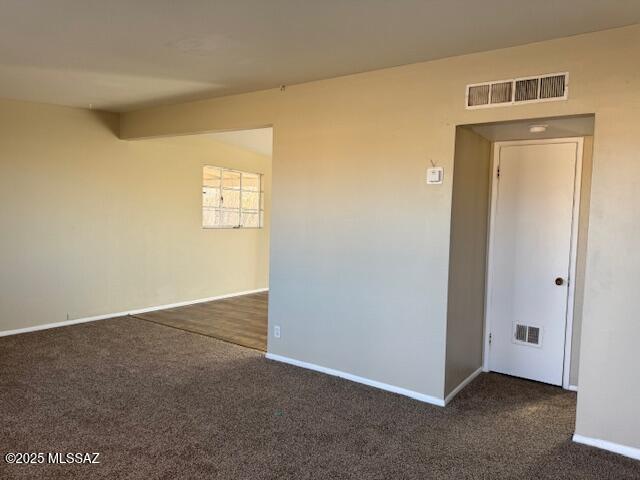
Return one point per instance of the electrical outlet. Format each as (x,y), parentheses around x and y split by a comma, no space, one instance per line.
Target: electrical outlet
(276,331)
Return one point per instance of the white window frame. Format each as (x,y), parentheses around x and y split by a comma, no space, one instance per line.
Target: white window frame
(259,211)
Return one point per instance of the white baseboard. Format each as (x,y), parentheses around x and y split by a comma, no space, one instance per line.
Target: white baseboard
(137,311)
(463,384)
(630,452)
(573,388)
(354,378)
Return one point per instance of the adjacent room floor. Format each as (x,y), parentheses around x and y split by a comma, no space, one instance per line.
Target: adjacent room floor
(160,402)
(241,320)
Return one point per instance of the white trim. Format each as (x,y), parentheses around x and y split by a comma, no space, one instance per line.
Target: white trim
(573,263)
(46,326)
(489,275)
(463,384)
(354,378)
(573,388)
(630,452)
(572,254)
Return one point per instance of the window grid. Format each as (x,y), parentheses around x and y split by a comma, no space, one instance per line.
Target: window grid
(235,210)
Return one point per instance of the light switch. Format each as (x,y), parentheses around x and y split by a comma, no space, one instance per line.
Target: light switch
(435,175)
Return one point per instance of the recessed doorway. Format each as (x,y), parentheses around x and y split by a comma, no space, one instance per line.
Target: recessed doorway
(518,246)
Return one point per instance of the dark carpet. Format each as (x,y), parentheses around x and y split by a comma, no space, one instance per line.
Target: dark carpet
(161,403)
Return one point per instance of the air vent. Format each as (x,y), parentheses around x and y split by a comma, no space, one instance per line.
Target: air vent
(540,88)
(527,335)
(478,95)
(527,90)
(553,87)
(521,333)
(501,92)
(533,335)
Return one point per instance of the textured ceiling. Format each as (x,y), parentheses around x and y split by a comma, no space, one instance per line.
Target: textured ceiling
(121,54)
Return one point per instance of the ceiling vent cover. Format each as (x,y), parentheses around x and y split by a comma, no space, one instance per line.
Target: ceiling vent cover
(540,88)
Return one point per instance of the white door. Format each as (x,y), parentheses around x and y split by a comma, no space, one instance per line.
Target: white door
(530,257)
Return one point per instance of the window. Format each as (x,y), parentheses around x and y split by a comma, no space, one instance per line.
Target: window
(231,199)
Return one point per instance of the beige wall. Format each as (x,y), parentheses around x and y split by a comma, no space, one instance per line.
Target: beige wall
(467,257)
(360,244)
(581,257)
(93,225)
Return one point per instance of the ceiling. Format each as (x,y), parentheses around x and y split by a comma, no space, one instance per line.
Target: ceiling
(258,140)
(561,127)
(121,55)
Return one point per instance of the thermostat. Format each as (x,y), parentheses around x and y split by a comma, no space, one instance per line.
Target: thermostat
(435,175)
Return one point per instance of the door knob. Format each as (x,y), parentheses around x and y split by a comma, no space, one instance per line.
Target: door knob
(559,281)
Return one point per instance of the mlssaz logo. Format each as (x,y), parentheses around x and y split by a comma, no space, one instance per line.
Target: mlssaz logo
(65,458)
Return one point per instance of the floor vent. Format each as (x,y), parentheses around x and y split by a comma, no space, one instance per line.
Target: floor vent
(527,335)
(540,88)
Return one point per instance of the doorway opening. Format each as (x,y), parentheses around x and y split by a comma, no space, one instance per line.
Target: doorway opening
(519,228)
(225,194)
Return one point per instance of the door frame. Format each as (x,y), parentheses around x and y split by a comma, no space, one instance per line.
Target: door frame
(575,220)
